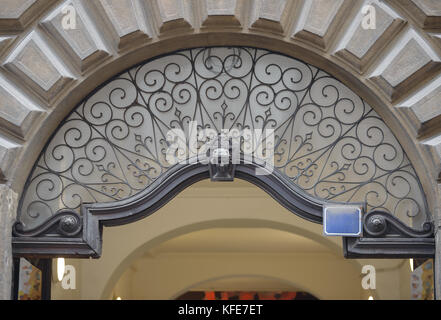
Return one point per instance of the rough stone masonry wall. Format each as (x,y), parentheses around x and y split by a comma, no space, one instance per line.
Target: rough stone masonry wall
(45,70)
(8,207)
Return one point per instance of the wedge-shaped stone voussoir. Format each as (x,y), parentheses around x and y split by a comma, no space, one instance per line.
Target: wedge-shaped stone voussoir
(35,65)
(427,13)
(424,110)
(128,20)
(8,154)
(272,15)
(222,13)
(362,45)
(5,42)
(15,15)
(405,69)
(320,20)
(16,113)
(76,34)
(428,112)
(433,147)
(436,37)
(172,15)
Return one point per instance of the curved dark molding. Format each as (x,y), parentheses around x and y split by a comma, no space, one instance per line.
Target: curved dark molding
(177,179)
(57,236)
(380,224)
(97,215)
(66,223)
(385,236)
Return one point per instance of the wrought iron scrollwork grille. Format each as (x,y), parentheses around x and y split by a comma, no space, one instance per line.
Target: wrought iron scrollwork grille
(328,141)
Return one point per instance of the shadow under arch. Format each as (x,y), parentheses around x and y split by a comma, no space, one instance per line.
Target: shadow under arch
(262,276)
(224,223)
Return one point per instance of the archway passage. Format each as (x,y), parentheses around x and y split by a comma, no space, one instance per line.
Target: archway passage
(215,231)
(212,232)
(107,163)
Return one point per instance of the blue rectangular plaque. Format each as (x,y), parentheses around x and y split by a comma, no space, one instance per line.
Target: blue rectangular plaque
(342,221)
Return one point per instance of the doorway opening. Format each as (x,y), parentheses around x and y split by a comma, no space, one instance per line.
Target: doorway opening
(228,238)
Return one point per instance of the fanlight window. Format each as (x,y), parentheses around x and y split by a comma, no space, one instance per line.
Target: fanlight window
(328,141)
